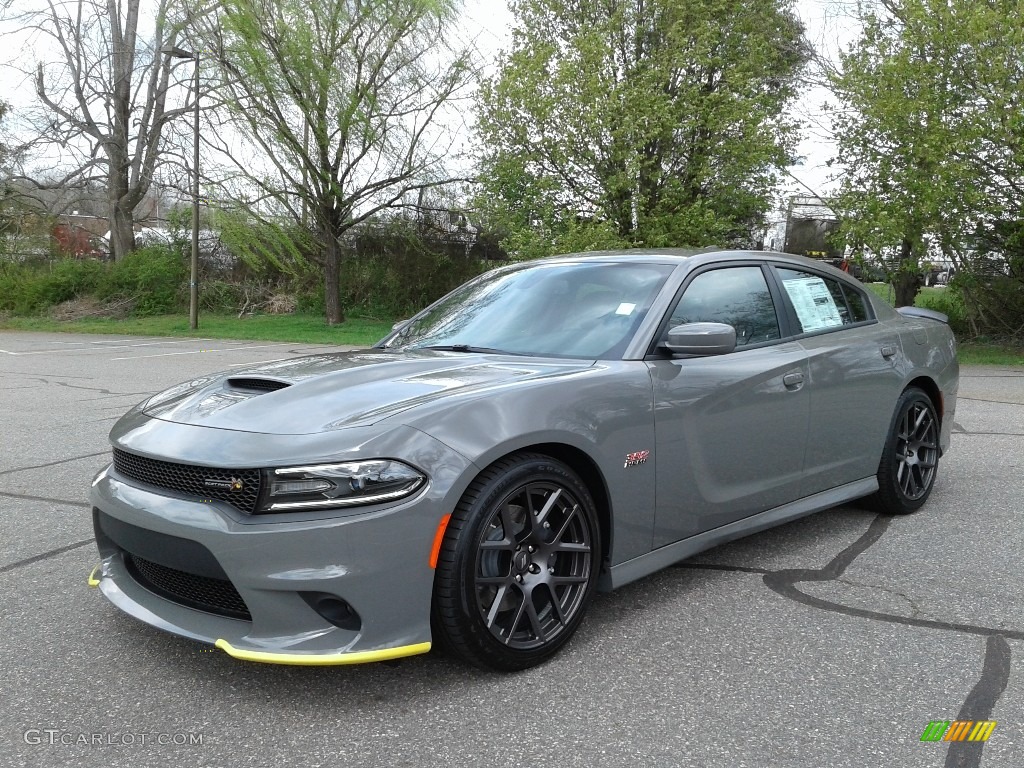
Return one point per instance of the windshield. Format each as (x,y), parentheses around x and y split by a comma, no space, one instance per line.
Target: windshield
(583,310)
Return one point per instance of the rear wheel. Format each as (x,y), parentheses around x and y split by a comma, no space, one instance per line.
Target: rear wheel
(910,459)
(518,565)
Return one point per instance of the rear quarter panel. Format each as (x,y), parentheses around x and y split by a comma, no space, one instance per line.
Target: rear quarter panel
(929,351)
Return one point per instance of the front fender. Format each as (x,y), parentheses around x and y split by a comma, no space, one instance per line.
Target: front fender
(606,412)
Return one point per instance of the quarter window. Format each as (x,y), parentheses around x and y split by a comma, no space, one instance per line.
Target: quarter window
(858,307)
(736,296)
(820,302)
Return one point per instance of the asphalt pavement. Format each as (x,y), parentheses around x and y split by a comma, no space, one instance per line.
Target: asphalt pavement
(831,641)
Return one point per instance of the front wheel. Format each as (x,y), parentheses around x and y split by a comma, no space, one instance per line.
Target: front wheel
(518,564)
(910,459)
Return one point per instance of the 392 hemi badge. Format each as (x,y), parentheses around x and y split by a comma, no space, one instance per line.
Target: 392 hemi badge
(636,459)
(234,484)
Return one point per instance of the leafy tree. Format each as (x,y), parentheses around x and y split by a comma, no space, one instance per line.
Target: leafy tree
(6,225)
(5,170)
(343,102)
(20,224)
(102,89)
(930,123)
(3,147)
(638,122)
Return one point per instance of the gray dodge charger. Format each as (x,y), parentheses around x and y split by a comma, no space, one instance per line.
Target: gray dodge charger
(546,430)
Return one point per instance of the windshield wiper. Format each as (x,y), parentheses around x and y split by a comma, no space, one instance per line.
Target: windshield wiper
(466,348)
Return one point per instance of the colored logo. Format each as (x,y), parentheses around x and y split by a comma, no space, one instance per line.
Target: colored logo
(636,459)
(958,730)
(234,484)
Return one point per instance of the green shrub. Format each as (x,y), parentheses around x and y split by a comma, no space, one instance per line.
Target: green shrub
(33,287)
(12,285)
(397,281)
(950,302)
(153,277)
(389,273)
(994,304)
(221,296)
(310,301)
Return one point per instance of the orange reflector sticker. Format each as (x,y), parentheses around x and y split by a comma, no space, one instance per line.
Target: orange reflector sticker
(438,538)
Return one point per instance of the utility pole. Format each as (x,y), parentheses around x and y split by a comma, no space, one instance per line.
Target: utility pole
(193,286)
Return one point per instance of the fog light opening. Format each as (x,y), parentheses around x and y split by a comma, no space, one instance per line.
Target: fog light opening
(333,609)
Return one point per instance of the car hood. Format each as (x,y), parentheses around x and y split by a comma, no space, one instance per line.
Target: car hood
(325,392)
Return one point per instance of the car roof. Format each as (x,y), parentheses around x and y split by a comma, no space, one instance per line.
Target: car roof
(694,257)
(645,255)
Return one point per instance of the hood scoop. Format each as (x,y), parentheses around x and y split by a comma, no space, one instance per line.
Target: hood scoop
(254,384)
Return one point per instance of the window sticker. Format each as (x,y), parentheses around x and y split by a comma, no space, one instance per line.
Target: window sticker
(814,305)
(625,308)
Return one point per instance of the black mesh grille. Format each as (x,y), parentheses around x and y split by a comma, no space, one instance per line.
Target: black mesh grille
(238,487)
(206,594)
(263,385)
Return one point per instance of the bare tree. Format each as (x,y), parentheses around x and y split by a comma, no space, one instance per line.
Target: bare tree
(346,105)
(101,85)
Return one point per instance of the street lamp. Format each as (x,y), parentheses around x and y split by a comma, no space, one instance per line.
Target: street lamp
(193,286)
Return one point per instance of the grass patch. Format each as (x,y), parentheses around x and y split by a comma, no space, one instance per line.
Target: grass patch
(357,331)
(925,297)
(981,353)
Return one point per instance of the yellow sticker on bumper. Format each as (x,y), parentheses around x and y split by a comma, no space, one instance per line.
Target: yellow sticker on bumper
(325,659)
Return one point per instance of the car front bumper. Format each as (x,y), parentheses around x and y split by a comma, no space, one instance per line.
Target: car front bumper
(374,562)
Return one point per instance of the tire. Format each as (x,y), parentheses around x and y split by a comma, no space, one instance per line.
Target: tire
(512,587)
(910,459)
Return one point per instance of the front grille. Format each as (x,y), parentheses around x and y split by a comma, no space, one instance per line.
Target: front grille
(202,592)
(238,487)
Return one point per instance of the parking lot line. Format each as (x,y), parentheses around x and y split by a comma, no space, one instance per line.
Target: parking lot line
(258,362)
(106,344)
(56,351)
(165,341)
(105,341)
(197,351)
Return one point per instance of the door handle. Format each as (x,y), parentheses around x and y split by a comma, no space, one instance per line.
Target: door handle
(793,380)
(888,350)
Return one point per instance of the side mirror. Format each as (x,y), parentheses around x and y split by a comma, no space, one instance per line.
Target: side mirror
(399,324)
(700,339)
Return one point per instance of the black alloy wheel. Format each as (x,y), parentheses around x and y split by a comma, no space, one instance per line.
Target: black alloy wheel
(910,459)
(518,564)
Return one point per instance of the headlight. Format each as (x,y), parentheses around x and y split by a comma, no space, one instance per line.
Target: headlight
(339,485)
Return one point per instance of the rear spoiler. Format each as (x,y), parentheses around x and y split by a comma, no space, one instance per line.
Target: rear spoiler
(929,314)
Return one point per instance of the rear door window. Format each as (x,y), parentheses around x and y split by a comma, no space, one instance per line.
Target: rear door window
(821,303)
